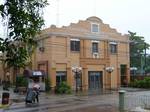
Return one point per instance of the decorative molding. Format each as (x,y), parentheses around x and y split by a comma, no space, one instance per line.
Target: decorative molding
(87,36)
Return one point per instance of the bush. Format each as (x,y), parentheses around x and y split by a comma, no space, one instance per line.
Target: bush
(63,88)
(21,81)
(47,84)
(145,83)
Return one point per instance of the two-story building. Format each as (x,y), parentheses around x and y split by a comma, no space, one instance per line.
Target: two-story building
(98,51)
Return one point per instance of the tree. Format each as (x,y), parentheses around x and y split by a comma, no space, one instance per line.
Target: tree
(138,47)
(24,21)
(148,64)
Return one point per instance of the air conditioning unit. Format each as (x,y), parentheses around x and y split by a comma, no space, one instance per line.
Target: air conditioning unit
(95,55)
(41,49)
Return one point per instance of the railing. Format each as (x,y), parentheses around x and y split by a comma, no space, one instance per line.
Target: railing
(132,101)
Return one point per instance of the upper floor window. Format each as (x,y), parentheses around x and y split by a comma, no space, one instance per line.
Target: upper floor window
(95,28)
(75,44)
(113,47)
(41,45)
(94,47)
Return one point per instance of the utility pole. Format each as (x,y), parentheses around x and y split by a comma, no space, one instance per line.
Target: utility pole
(145,58)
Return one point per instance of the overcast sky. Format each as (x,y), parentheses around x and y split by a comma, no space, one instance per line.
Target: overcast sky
(124,15)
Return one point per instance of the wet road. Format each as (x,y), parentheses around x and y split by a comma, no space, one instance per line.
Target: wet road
(71,103)
(97,103)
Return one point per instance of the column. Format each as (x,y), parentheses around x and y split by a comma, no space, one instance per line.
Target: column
(106,49)
(53,75)
(69,77)
(85,79)
(82,48)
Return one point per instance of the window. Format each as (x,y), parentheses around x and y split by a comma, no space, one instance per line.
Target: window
(113,47)
(60,77)
(94,47)
(95,28)
(75,45)
(41,45)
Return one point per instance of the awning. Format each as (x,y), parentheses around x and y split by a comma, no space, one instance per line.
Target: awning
(33,73)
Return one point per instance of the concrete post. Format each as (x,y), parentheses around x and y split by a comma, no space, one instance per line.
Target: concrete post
(121,100)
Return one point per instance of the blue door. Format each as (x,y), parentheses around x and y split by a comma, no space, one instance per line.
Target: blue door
(95,80)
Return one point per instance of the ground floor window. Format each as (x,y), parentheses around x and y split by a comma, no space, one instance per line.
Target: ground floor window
(61,76)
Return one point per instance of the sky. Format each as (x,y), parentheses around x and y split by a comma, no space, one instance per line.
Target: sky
(124,15)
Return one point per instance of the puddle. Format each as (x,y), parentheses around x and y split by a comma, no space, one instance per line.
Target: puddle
(17,100)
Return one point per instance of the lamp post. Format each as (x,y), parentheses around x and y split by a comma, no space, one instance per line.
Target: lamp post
(77,71)
(145,57)
(109,70)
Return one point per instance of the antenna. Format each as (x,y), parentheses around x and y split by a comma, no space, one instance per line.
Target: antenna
(57,14)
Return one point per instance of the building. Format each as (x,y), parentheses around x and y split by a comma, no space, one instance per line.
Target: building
(101,52)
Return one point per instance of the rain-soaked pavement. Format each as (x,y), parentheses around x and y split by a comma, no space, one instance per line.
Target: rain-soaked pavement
(69,103)
(73,103)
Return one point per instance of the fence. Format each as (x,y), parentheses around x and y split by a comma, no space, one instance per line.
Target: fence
(133,100)
(138,77)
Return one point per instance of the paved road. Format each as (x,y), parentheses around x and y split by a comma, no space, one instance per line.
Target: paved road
(72,103)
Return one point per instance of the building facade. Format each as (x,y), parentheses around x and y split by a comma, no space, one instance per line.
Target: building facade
(88,54)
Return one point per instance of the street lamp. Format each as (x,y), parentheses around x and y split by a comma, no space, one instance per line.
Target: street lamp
(78,75)
(134,69)
(109,70)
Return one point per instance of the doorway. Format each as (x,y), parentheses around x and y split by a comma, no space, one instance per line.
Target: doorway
(123,76)
(95,80)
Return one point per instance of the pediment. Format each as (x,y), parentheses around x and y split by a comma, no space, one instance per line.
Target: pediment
(94,19)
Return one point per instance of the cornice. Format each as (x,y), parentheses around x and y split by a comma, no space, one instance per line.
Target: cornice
(88,36)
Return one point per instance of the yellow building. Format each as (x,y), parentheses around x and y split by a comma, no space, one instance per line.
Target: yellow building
(98,51)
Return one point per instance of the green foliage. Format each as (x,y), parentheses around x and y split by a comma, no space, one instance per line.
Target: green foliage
(47,84)
(24,20)
(21,81)
(145,83)
(16,56)
(147,69)
(24,17)
(137,50)
(63,88)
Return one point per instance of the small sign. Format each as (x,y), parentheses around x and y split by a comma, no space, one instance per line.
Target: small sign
(37,73)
